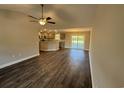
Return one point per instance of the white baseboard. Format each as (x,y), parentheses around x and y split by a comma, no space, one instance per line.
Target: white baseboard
(90,62)
(17,61)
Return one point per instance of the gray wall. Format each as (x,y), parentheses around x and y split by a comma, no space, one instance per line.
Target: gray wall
(18,37)
(107,47)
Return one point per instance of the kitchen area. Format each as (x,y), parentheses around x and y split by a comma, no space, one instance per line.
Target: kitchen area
(51,41)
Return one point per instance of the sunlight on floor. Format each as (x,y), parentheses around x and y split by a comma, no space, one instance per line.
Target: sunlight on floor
(77,55)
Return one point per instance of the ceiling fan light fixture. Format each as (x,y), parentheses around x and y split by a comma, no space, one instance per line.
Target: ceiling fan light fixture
(42,22)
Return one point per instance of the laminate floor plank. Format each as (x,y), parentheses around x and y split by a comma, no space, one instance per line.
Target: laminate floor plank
(67,68)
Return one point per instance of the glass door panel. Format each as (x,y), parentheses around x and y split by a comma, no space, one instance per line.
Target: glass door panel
(78,42)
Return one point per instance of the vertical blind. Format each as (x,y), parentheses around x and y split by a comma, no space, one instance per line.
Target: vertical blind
(77,41)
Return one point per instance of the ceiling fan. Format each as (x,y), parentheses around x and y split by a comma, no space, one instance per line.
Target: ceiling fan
(41,20)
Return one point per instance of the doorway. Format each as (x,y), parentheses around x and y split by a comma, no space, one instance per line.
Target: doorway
(77,41)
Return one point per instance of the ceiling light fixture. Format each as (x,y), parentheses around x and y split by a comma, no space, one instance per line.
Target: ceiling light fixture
(42,21)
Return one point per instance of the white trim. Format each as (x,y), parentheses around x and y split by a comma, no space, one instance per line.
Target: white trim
(91,71)
(17,61)
(49,49)
(90,59)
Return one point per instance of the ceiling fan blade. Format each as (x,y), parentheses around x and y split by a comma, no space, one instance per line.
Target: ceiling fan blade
(33,17)
(33,21)
(48,18)
(51,22)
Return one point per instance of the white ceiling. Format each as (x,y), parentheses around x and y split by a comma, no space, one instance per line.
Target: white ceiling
(65,15)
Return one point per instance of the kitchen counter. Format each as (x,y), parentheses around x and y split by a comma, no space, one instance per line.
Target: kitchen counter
(49,45)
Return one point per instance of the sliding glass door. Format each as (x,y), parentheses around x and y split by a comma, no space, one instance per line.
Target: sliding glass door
(77,41)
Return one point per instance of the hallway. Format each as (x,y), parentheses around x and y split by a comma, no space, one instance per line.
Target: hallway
(62,69)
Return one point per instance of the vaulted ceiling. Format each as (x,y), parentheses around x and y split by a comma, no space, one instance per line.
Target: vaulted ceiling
(65,15)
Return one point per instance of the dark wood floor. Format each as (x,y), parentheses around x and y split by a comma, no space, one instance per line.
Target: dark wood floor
(62,69)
